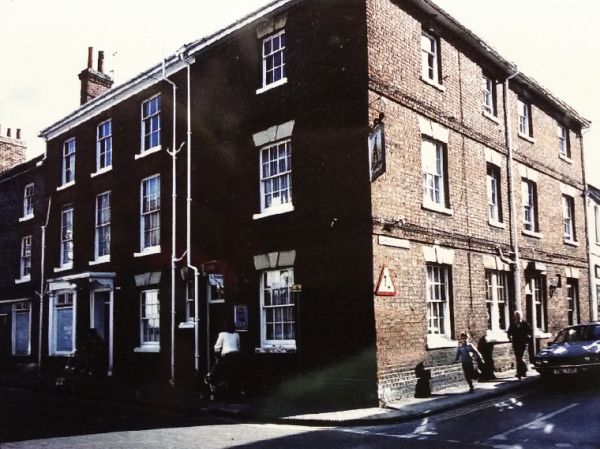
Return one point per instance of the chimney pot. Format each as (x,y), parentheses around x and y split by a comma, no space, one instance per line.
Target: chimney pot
(8,133)
(101,61)
(90,63)
(18,133)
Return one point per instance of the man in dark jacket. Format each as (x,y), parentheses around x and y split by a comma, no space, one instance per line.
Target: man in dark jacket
(519,333)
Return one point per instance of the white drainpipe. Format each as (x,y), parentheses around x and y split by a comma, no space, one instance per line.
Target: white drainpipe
(42,281)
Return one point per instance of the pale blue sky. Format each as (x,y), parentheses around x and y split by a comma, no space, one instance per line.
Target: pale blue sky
(43,46)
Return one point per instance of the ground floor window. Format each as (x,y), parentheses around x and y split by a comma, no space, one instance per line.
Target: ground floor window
(572,301)
(538,302)
(149,319)
(497,300)
(62,323)
(21,328)
(190,309)
(438,300)
(278,322)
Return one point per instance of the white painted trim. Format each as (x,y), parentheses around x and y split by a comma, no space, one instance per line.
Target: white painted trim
(99,260)
(433,83)
(571,191)
(535,235)
(435,341)
(571,242)
(148,348)
(23,279)
(275,210)
(491,117)
(496,224)
(494,157)
(68,266)
(101,171)
(148,251)
(268,87)
(528,173)
(65,186)
(433,130)
(149,151)
(526,137)
(438,254)
(273,134)
(437,208)
(25,218)
(567,159)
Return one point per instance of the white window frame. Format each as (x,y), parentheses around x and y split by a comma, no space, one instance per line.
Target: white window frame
(25,258)
(278,71)
(104,146)
(66,236)
(497,301)
(149,211)
(146,342)
(276,187)
(433,163)
(490,102)
(572,296)
(149,127)
(102,223)
(54,305)
(19,308)
(430,57)
(190,304)
(283,280)
(493,193)
(68,162)
(28,197)
(524,115)
(437,297)
(597,223)
(568,206)
(539,309)
(564,143)
(529,194)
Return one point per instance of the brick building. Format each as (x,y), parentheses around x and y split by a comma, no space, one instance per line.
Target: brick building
(593,204)
(435,189)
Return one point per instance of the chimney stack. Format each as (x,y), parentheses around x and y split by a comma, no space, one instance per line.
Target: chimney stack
(12,150)
(8,132)
(94,82)
(18,133)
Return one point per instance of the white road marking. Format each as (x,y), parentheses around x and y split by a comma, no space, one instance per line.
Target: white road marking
(538,423)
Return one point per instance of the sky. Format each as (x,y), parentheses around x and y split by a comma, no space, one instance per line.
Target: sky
(43,47)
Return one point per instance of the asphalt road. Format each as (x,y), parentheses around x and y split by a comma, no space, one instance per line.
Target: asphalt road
(559,416)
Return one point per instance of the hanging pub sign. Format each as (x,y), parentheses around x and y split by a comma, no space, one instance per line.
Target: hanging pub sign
(377,149)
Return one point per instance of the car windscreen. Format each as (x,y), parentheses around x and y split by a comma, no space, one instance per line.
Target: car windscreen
(578,333)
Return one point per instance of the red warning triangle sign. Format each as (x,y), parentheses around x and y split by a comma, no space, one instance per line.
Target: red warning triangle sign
(385,285)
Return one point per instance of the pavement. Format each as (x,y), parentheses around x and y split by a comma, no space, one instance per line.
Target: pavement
(193,402)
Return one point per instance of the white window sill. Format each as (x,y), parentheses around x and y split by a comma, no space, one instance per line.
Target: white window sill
(65,186)
(538,333)
(275,349)
(148,251)
(535,235)
(275,210)
(101,171)
(496,224)
(496,336)
(62,354)
(491,117)
(571,242)
(567,159)
(23,279)
(278,83)
(66,267)
(154,348)
(433,83)
(99,260)
(26,218)
(526,137)
(186,325)
(149,151)
(437,208)
(440,341)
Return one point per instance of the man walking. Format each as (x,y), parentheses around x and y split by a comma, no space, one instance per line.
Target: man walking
(519,333)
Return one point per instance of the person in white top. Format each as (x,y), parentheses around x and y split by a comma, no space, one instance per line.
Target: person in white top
(226,372)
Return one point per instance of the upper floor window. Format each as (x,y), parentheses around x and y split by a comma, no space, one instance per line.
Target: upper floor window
(68,162)
(274,59)
(564,143)
(276,175)
(104,145)
(430,57)
(28,200)
(525,124)
(438,300)
(150,213)
(278,316)
(597,223)
(489,96)
(66,236)
(568,205)
(102,233)
(493,193)
(497,294)
(149,319)
(433,161)
(529,198)
(25,265)
(151,123)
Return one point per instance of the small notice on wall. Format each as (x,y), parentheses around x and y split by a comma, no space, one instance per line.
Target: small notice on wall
(385,285)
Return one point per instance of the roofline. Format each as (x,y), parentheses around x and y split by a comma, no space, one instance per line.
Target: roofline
(488,52)
(172,64)
(594,193)
(175,63)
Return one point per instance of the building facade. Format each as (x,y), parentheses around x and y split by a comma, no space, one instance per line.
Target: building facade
(593,204)
(352,190)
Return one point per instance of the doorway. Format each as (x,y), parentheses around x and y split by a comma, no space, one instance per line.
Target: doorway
(100,320)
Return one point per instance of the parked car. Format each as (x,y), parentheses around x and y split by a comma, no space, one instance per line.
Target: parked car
(575,350)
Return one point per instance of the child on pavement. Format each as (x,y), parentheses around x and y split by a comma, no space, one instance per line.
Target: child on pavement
(467,353)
